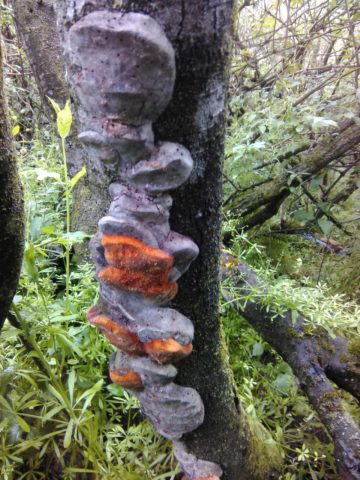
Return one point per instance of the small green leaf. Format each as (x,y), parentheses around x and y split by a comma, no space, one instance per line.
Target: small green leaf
(64,120)
(54,105)
(262,128)
(52,412)
(68,433)
(81,173)
(91,391)
(29,262)
(73,237)
(303,216)
(294,316)
(49,229)
(23,425)
(325,225)
(5,403)
(15,130)
(116,390)
(41,174)
(57,395)
(318,122)
(71,384)
(283,383)
(257,349)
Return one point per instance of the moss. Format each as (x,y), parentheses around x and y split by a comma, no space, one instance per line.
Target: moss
(345,358)
(328,399)
(291,332)
(308,329)
(264,455)
(326,344)
(354,346)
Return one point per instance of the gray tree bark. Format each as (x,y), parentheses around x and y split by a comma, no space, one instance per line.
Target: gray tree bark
(11,210)
(36,26)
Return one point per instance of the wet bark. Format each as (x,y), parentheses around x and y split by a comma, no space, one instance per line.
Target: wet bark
(315,359)
(36,27)
(11,211)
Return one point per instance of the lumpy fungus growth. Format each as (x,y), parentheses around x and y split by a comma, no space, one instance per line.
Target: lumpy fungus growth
(138,258)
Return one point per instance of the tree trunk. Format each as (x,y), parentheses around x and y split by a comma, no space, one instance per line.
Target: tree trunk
(200,34)
(36,27)
(11,211)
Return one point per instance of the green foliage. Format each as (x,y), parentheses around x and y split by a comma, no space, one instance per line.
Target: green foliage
(267,387)
(293,84)
(278,412)
(277,293)
(63,118)
(60,417)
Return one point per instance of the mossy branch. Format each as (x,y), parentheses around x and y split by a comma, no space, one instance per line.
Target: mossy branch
(315,360)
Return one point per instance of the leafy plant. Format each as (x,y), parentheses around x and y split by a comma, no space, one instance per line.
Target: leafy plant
(60,417)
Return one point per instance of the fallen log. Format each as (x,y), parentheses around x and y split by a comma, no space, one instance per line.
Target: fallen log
(316,360)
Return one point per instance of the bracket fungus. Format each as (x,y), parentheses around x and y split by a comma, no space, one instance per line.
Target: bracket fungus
(122,69)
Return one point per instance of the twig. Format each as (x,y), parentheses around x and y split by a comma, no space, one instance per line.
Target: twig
(324,212)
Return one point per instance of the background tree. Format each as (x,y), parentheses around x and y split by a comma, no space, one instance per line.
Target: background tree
(298,64)
(12,209)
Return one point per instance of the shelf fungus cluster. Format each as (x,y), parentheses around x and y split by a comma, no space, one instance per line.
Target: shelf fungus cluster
(122,69)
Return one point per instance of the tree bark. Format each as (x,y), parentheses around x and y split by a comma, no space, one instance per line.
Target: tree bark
(11,211)
(36,27)
(37,30)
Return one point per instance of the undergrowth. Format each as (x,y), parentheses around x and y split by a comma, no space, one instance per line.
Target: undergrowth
(61,418)
(279,292)
(272,399)
(267,388)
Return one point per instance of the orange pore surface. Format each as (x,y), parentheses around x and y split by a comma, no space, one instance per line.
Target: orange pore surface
(131,253)
(126,378)
(166,350)
(153,286)
(118,335)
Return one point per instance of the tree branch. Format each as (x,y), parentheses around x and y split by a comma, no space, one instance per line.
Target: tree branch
(330,148)
(315,360)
